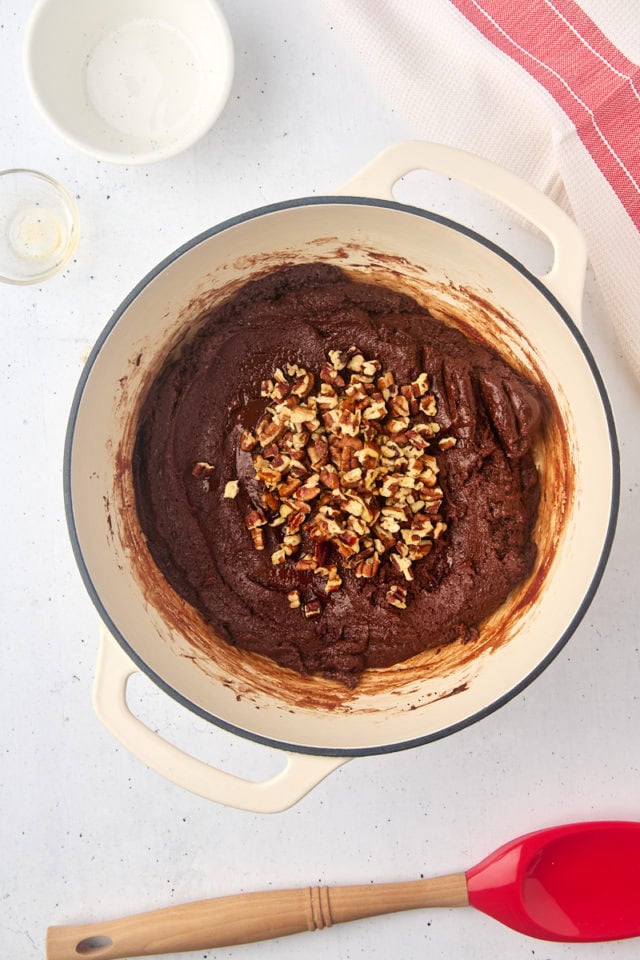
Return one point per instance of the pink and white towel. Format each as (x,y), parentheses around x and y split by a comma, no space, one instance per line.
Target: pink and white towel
(548,88)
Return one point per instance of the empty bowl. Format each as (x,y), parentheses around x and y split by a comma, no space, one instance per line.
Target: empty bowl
(129,81)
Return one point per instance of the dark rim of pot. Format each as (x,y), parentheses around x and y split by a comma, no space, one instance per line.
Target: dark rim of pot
(589,594)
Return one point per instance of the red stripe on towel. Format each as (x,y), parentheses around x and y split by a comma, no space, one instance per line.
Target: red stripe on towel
(593,82)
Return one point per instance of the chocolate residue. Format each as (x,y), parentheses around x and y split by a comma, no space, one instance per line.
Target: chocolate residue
(198,539)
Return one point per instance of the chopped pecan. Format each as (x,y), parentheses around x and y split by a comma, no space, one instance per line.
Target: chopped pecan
(258,538)
(352,477)
(303,385)
(368,568)
(419,551)
(310,489)
(330,375)
(268,429)
(321,553)
(278,556)
(231,489)
(348,544)
(294,599)
(329,477)
(295,520)
(247,440)
(337,360)
(375,410)
(396,596)
(385,381)
(288,487)
(343,462)
(399,407)
(422,523)
(334,581)
(255,519)
(428,405)
(402,565)
(202,469)
(397,425)
(318,453)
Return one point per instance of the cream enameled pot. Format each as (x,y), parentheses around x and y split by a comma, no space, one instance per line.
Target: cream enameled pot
(459,275)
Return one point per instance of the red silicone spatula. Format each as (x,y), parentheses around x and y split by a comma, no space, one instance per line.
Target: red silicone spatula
(577,882)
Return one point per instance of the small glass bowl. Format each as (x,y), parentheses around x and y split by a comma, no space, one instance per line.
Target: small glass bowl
(38,226)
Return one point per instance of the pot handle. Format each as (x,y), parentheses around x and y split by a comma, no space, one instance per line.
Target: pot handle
(566,278)
(301,773)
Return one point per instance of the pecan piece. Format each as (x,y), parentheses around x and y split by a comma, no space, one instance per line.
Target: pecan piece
(295,520)
(318,453)
(231,489)
(321,553)
(312,609)
(255,519)
(310,489)
(397,425)
(420,550)
(303,385)
(368,568)
(202,469)
(402,564)
(258,538)
(247,440)
(428,405)
(294,599)
(270,501)
(288,487)
(269,430)
(337,360)
(334,580)
(396,596)
(348,544)
(399,407)
(331,376)
(329,477)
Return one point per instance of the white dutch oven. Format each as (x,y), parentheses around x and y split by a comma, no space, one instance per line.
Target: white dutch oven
(459,275)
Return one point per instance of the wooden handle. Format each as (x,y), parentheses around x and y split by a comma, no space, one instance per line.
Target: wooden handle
(247,917)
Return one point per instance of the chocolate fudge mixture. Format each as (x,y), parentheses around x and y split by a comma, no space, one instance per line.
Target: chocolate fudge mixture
(334,478)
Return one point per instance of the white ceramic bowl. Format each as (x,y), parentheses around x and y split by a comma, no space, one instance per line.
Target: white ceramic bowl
(457,274)
(129,81)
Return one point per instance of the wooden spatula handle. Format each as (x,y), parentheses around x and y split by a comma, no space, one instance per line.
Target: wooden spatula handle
(247,917)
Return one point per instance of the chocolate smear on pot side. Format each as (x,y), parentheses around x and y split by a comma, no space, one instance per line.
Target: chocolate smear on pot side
(346,475)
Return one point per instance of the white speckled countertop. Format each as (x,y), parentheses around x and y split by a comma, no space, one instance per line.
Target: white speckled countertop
(87,831)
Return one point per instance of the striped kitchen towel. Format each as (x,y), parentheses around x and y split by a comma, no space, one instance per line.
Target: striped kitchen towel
(547,88)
